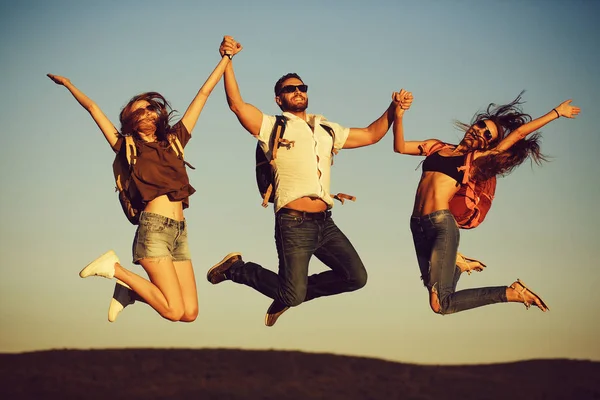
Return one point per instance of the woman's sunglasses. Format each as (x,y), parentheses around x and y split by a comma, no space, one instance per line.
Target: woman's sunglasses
(292,89)
(486,134)
(149,107)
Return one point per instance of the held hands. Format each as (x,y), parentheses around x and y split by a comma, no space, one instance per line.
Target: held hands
(402,100)
(59,80)
(229,47)
(565,109)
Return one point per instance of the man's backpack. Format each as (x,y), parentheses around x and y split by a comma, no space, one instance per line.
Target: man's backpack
(129,196)
(264,167)
(471,203)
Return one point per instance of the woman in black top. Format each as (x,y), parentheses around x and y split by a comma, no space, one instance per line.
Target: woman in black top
(500,139)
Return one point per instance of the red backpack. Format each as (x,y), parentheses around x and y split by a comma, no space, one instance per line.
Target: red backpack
(474,199)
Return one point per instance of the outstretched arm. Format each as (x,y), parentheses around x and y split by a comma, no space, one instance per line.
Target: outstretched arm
(249,116)
(359,137)
(373,133)
(403,101)
(190,117)
(107,128)
(564,109)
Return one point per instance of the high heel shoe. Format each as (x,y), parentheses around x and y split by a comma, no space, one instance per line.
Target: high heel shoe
(469,264)
(542,306)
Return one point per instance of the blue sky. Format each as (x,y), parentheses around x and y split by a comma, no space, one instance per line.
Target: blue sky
(59,210)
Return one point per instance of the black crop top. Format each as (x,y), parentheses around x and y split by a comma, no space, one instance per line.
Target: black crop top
(446,165)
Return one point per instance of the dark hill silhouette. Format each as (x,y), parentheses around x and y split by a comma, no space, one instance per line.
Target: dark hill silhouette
(245,374)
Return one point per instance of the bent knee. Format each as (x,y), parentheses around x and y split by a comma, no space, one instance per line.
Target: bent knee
(359,280)
(293,298)
(189,315)
(292,301)
(440,308)
(174,314)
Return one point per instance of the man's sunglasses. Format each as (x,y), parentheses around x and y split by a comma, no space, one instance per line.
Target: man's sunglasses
(292,88)
(486,134)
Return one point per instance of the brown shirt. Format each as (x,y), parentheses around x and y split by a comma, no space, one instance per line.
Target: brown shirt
(158,170)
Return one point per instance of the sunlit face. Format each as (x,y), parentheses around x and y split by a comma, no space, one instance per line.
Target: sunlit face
(145,116)
(291,97)
(481,134)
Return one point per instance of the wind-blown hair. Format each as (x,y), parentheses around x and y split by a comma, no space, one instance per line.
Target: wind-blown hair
(158,103)
(508,118)
(280,81)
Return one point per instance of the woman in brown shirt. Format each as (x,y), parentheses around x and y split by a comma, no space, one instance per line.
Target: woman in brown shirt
(160,245)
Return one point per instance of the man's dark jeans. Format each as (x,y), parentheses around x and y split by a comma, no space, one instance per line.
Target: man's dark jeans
(297,239)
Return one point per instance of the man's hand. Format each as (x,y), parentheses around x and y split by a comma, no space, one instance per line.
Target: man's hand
(229,47)
(403,100)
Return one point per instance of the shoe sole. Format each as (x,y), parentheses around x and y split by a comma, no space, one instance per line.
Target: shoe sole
(227,257)
(114,309)
(275,317)
(88,270)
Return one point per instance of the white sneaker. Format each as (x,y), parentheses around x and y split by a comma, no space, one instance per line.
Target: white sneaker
(102,266)
(122,297)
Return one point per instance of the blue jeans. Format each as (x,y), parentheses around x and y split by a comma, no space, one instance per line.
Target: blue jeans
(158,237)
(436,237)
(297,239)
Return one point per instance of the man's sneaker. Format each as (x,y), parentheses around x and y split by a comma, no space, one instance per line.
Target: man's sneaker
(275,310)
(122,297)
(217,273)
(102,266)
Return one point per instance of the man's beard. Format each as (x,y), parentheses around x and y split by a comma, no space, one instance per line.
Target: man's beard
(294,107)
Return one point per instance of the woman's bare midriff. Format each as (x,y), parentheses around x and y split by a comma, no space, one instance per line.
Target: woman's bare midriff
(434,193)
(307,204)
(165,207)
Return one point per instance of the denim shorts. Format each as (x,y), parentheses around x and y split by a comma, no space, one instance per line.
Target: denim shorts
(159,237)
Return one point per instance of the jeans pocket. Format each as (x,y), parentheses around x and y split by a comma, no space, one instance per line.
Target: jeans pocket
(153,226)
(289,221)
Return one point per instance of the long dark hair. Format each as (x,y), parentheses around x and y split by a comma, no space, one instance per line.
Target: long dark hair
(158,103)
(508,118)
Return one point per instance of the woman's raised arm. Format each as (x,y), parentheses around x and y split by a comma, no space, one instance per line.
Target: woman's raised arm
(190,117)
(564,109)
(107,127)
(403,101)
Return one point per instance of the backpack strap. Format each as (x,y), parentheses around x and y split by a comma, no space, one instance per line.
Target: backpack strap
(267,196)
(329,130)
(277,138)
(130,151)
(466,168)
(427,150)
(178,149)
(341,197)
(275,141)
